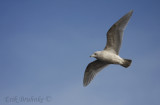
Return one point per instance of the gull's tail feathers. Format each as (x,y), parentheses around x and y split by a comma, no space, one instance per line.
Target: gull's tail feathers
(126,63)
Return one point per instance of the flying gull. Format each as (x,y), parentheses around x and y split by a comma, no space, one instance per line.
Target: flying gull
(110,54)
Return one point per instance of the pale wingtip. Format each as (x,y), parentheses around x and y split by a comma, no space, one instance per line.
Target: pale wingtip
(84,85)
(129,14)
(131,11)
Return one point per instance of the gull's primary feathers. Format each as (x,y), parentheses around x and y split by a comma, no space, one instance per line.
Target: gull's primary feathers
(110,53)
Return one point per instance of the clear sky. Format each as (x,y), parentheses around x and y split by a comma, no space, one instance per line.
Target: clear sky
(45,47)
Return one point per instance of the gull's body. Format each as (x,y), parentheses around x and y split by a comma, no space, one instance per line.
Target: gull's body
(109,57)
(110,54)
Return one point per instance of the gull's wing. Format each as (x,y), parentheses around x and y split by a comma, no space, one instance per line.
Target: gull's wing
(92,69)
(115,33)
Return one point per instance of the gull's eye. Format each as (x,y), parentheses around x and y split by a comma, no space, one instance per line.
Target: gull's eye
(95,53)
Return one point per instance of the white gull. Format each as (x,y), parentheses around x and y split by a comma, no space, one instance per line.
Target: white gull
(110,54)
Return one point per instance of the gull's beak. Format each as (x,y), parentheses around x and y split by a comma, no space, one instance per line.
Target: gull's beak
(92,55)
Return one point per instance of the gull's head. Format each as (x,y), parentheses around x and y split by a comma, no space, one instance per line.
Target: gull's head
(96,54)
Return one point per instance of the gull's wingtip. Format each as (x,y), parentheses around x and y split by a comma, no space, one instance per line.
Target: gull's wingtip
(129,14)
(131,11)
(84,85)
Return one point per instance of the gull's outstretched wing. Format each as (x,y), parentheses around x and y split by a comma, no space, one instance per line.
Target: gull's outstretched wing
(92,69)
(115,33)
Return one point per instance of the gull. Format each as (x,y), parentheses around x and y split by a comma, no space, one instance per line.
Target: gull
(110,54)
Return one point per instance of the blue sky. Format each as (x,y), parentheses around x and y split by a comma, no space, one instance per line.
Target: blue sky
(45,48)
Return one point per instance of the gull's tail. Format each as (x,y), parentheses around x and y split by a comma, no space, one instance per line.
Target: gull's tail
(126,63)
